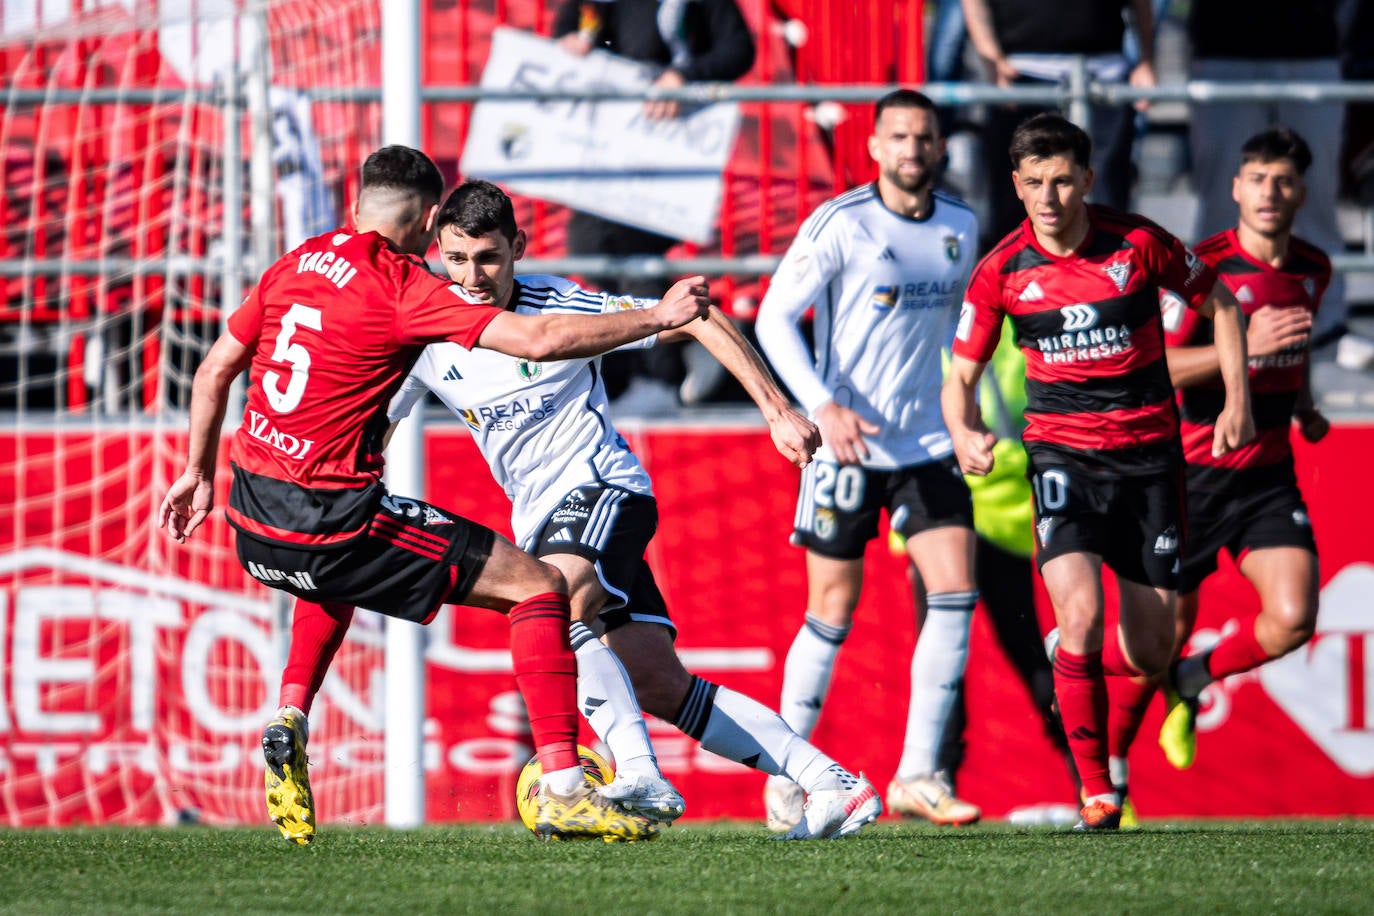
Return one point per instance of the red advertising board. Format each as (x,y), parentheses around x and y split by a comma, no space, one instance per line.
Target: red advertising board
(137,675)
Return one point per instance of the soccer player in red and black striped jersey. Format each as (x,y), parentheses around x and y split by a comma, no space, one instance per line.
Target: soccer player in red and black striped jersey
(1081,286)
(328,336)
(1247,501)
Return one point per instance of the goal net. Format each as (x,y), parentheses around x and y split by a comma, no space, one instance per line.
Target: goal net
(152,155)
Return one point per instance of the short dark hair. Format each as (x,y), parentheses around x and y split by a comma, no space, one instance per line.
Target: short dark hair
(1047,135)
(1277,143)
(400,168)
(477,207)
(902,98)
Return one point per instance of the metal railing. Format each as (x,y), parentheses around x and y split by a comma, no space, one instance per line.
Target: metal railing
(1075,95)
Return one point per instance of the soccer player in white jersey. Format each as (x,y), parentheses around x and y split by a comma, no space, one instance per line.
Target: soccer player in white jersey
(583,503)
(884,266)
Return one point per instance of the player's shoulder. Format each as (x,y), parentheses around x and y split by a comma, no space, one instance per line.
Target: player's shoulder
(838,213)
(1304,257)
(1133,227)
(543,292)
(1219,249)
(1013,253)
(952,207)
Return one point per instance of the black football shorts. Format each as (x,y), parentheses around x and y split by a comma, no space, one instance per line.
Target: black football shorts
(1133,521)
(839,505)
(413,559)
(612,528)
(1239,511)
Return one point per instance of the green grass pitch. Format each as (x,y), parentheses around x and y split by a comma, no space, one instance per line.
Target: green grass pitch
(696,867)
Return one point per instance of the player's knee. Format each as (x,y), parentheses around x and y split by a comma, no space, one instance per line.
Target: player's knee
(546,578)
(584,612)
(1079,627)
(1290,624)
(660,689)
(835,607)
(1152,653)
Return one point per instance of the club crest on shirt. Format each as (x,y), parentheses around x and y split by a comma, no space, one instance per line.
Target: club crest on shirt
(1244,296)
(1310,287)
(952,247)
(1120,272)
(529,371)
(884,298)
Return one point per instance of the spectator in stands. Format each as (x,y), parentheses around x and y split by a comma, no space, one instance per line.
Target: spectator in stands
(692,40)
(1021,44)
(1297,42)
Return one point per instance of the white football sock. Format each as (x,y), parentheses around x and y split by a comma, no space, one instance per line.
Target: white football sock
(806,673)
(1119,772)
(563,782)
(937,667)
(607,700)
(738,728)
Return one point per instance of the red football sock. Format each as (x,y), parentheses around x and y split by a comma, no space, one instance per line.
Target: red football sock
(546,673)
(1082,693)
(1114,661)
(317,631)
(1237,652)
(1129,699)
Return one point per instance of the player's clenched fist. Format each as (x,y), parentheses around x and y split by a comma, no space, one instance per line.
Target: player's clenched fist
(686,299)
(1235,427)
(973,448)
(794,436)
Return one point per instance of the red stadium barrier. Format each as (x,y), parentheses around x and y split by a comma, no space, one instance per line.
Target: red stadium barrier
(134,678)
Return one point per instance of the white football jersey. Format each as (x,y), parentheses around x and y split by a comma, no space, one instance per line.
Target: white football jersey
(544,428)
(886,291)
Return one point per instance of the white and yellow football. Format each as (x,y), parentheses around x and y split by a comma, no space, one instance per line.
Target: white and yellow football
(595,770)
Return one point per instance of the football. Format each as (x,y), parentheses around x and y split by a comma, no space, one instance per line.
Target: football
(595,770)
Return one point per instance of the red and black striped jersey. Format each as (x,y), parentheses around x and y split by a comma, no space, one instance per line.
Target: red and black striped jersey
(334,327)
(1089,325)
(1277,379)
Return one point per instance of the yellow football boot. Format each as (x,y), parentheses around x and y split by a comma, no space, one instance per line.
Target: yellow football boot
(289,801)
(1178,734)
(586,814)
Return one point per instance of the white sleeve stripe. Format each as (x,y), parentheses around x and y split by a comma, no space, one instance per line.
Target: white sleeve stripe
(952,200)
(550,292)
(567,306)
(823,212)
(815,231)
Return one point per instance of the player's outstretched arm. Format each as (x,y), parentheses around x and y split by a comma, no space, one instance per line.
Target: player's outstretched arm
(972,440)
(1269,330)
(1235,425)
(549,337)
(189,500)
(794,436)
